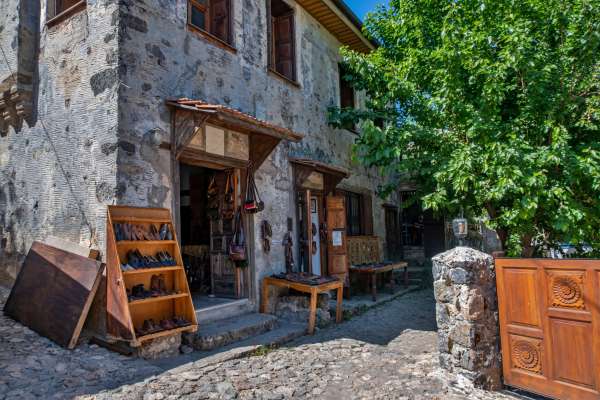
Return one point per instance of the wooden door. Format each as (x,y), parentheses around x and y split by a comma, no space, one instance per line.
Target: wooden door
(392,233)
(549,326)
(337,252)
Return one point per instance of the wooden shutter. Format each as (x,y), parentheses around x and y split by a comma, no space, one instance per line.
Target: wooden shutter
(367,214)
(337,253)
(283,46)
(219,19)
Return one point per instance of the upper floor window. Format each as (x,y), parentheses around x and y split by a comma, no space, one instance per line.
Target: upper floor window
(211,16)
(58,8)
(346,90)
(282,58)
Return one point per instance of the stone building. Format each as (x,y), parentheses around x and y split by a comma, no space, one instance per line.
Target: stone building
(142,103)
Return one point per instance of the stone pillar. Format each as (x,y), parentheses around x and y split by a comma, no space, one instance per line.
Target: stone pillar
(467,317)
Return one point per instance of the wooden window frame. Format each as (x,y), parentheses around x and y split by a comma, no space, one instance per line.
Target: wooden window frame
(345,85)
(365,211)
(53,16)
(272,62)
(206,32)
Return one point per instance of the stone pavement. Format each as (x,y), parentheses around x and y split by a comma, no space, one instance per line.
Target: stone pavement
(387,353)
(32,366)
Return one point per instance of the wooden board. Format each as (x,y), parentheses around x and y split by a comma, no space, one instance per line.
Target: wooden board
(550,326)
(53,293)
(337,253)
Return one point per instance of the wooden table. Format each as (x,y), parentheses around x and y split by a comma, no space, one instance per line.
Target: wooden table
(374,270)
(313,290)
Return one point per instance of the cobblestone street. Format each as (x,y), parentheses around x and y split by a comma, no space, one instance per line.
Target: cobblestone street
(387,353)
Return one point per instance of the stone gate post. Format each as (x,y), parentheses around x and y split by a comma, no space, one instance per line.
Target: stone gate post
(467,317)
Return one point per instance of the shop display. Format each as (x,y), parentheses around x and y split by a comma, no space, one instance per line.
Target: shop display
(306,279)
(146,282)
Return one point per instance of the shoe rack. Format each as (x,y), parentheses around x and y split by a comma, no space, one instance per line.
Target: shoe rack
(124,317)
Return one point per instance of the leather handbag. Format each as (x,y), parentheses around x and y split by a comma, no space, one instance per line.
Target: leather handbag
(237,248)
(253,203)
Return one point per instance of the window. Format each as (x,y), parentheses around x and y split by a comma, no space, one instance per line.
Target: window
(282,57)
(211,16)
(60,7)
(346,90)
(359,213)
(353,214)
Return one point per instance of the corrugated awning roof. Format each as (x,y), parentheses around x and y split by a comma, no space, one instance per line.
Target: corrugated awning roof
(236,119)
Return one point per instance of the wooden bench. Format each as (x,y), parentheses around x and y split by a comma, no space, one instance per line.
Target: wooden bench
(365,259)
(313,290)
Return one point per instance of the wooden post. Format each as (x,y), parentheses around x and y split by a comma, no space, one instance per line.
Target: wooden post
(264,301)
(374,286)
(338,311)
(313,311)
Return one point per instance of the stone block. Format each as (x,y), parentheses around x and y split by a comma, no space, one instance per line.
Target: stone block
(163,347)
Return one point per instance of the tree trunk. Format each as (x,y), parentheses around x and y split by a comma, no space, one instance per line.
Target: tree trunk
(528,247)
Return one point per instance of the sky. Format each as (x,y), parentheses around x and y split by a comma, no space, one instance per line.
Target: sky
(361,7)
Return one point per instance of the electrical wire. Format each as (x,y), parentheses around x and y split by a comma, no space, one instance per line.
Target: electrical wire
(59,161)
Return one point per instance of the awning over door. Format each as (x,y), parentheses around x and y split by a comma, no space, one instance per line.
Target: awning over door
(315,175)
(216,135)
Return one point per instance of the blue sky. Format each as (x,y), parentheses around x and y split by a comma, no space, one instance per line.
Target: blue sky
(361,7)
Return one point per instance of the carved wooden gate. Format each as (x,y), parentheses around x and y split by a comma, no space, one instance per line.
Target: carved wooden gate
(549,326)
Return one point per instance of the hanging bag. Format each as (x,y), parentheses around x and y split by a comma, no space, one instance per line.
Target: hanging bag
(253,203)
(229,206)
(213,200)
(237,248)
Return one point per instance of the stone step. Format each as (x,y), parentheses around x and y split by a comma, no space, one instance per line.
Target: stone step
(228,310)
(220,333)
(284,333)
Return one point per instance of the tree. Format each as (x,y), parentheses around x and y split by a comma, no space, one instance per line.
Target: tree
(493,106)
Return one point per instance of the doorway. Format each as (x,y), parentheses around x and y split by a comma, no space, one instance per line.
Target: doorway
(208,200)
(316,244)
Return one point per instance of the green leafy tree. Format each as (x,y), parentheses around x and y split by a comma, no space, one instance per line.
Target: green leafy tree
(493,106)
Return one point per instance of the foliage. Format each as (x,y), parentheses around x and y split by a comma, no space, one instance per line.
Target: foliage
(493,105)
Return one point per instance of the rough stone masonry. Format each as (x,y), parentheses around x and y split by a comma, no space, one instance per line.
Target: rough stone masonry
(467,316)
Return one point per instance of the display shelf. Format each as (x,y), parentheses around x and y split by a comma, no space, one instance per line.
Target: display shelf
(138,220)
(136,243)
(169,332)
(123,317)
(154,270)
(158,298)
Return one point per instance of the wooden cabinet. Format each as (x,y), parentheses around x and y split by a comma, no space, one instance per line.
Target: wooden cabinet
(124,317)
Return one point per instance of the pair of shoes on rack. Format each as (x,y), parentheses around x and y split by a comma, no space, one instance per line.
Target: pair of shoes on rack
(126,267)
(181,322)
(158,287)
(149,326)
(165,259)
(128,231)
(164,233)
(137,293)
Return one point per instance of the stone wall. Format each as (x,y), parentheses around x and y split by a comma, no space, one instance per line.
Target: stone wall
(161,58)
(58,173)
(19,28)
(467,316)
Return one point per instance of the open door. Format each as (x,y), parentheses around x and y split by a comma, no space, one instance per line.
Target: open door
(337,252)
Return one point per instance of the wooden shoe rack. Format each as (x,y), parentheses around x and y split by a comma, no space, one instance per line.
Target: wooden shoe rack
(124,317)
